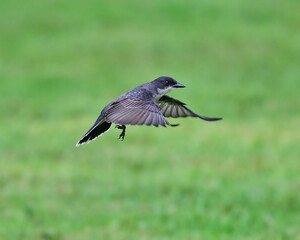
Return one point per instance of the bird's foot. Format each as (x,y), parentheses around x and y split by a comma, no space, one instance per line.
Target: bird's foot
(122,135)
(174,125)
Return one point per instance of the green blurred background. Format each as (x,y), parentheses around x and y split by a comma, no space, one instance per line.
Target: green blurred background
(61,62)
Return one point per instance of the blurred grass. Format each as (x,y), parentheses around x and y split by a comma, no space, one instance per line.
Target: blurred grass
(61,62)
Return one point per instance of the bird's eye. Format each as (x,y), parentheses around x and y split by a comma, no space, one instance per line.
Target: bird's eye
(167,82)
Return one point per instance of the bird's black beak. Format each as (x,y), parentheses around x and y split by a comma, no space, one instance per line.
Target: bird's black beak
(178,85)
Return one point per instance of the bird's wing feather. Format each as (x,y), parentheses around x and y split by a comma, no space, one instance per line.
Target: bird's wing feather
(171,107)
(135,112)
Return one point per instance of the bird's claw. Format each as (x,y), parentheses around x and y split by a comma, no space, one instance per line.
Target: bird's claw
(122,135)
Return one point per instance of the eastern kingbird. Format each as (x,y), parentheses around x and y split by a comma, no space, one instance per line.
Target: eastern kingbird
(147,104)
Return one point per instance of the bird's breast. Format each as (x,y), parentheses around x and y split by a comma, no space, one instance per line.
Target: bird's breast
(161,92)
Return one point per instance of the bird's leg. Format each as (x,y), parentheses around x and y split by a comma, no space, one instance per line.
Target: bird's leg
(122,135)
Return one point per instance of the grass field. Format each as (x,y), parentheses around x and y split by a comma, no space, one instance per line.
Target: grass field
(61,62)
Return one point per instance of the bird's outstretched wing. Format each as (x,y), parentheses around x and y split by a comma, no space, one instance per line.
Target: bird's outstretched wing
(135,112)
(174,108)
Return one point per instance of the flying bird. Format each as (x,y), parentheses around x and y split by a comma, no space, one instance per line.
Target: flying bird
(146,104)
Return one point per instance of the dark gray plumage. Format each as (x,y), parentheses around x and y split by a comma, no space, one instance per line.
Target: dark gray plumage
(147,104)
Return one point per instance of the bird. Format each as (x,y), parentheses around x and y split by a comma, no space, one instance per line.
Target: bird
(146,104)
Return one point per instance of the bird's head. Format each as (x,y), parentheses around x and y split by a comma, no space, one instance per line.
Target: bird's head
(165,84)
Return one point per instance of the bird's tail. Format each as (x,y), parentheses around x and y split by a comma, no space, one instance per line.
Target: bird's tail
(100,127)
